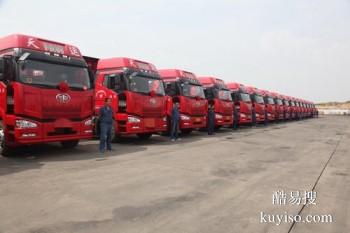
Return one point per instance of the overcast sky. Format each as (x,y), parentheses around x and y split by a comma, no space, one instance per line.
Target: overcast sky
(296,47)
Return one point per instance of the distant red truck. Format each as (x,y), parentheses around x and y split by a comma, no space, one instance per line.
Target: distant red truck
(258,107)
(186,88)
(270,105)
(218,93)
(137,93)
(46,93)
(242,103)
(279,109)
(287,109)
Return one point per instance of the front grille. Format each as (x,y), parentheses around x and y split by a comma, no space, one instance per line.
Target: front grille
(62,131)
(152,113)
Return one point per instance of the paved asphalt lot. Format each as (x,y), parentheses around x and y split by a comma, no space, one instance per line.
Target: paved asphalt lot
(201,184)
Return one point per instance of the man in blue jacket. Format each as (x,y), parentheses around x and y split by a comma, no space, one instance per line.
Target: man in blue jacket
(175,118)
(211,119)
(106,122)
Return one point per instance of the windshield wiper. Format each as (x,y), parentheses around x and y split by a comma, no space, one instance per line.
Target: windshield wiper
(78,88)
(42,85)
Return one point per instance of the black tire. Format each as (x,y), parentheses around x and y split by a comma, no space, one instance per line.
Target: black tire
(6,150)
(186,131)
(144,136)
(114,136)
(217,127)
(69,144)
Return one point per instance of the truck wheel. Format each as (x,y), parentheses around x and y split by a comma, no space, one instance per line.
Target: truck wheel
(69,144)
(186,131)
(144,136)
(6,150)
(218,127)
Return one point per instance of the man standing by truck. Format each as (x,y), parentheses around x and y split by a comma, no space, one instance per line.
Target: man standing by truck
(211,119)
(106,122)
(175,117)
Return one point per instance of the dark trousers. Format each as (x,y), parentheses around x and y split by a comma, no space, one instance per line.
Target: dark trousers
(235,119)
(253,118)
(266,118)
(174,134)
(211,126)
(105,136)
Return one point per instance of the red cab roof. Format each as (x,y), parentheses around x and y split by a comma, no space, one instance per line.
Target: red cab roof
(174,74)
(234,86)
(124,62)
(210,81)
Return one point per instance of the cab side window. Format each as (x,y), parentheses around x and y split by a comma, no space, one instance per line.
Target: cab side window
(170,88)
(114,82)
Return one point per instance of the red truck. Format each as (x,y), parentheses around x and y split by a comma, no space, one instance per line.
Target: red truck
(287,110)
(186,88)
(46,93)
(242,103)
(258,107)
(279,115)
(270,105)
(293,108)
(137,93)
(218,94)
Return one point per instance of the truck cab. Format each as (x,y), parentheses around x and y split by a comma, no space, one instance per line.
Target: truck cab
(218,94)
(293,108)
(279,106)
(258,104)
(137,93)
(269,105)
(286,107)
(46,93)
(242,103)
(184,87)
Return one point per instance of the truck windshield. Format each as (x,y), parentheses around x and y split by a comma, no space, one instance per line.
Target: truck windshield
(279,101)
(258,99)
(191,90)
(245,97)
(292,103)
(145,85)
(224,95)
(51,75)
(286,102)
(270,100)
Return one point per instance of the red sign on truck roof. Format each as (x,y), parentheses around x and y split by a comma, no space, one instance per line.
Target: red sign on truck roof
(35,43)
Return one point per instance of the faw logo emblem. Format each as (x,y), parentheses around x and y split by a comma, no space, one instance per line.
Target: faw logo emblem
(153,101)
(63,98)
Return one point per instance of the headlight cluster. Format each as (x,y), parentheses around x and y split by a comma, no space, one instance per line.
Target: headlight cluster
(132,119)
(243,115)
(24,124)
(185,118)
(88,122)
(218,116)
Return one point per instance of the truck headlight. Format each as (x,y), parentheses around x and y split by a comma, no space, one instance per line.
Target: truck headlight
(164,119)
(185,118)
(24,124)
(88,122)
(243,115)
(132,119)
(218,116)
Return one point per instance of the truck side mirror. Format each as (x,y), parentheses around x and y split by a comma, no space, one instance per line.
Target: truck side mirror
(7,68)
(2,65)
